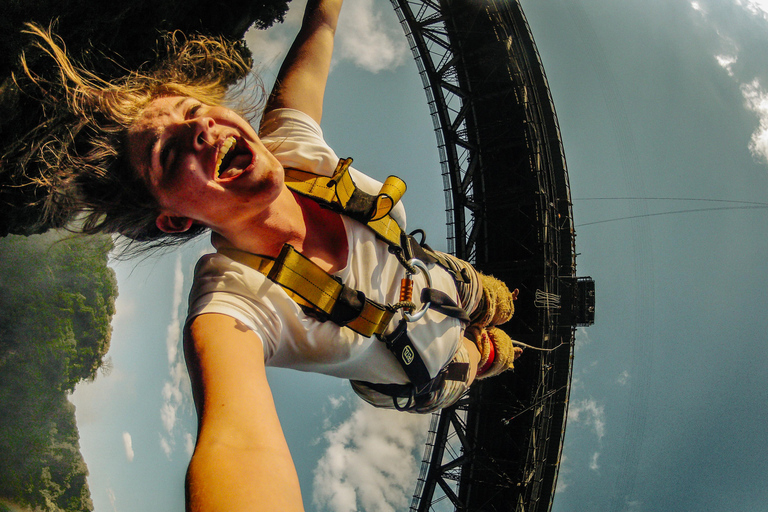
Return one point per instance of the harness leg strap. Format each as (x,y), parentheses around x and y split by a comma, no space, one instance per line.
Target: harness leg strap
(402,348)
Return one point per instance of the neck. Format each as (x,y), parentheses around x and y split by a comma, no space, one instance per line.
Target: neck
(317,233)
(265,233)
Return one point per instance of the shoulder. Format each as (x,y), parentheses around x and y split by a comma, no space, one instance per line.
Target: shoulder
(218,276)
(297,141)
(216,272)
(224,286)
(289,123)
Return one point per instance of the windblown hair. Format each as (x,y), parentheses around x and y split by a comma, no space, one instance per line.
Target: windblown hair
(87,172)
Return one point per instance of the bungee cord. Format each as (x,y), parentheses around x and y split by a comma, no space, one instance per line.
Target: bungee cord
(540,349)
(745,205)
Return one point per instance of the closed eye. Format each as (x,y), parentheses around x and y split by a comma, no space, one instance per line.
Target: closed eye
(167,155)
(192,111)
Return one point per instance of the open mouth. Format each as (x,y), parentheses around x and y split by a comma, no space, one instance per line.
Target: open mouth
(233,159)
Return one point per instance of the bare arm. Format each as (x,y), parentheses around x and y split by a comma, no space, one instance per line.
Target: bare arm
(241,461)
(301,81)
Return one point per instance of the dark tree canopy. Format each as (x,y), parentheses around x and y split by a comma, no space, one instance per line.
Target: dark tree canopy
(111,37)
(57,298)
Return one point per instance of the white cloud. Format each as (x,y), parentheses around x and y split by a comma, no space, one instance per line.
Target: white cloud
(756,100)
(328,417)
(269,48)
(173,331)
(370,462)
(562,475)
(589,413)
(189,443)
(756,7)
(165,445)
(128,446)
(92,399)
(581,338)
(726,62)
(168,413)
(729,48)
(623,378)
(172,394)
(370,36)
(112,498)
(337,401)
(593,465)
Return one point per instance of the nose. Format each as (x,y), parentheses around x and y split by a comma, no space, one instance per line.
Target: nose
(202,134)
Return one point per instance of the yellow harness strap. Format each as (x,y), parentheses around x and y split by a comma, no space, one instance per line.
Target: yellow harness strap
(308,284)
(340,193)
(312,287)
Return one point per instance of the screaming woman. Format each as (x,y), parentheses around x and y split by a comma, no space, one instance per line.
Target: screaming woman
(313,268)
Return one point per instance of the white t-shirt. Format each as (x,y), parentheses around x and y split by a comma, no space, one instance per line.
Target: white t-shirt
(292,339)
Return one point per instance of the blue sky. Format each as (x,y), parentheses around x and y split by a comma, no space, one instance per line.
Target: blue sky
(662,100)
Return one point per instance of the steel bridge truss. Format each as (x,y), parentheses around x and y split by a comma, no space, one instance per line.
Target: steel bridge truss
(436,58)
(508,210)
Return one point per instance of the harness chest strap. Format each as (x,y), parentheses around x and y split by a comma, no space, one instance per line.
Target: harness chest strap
(314,289)
(340,194)
(325,296)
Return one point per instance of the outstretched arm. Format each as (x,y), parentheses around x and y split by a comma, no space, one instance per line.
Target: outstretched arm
(301,81)
(241,461)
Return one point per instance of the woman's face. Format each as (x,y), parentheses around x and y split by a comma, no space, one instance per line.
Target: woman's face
(203,163)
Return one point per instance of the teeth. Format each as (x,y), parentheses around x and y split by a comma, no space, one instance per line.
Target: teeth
(228,144)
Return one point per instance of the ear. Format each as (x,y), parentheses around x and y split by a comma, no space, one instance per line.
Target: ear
(173,224)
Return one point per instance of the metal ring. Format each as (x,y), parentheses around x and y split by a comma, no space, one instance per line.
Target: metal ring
(416,263)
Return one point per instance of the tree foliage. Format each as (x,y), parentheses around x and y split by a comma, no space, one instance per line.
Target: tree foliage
(57,298)
(111,37)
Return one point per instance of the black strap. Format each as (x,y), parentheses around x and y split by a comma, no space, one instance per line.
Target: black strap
(420,250)
(361,206)
(349,305)
(418,397)
(406,354)
(415,249)
(456,371)
(442,303)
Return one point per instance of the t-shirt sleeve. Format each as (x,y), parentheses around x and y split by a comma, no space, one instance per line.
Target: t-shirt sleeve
(297,142)
(224,287)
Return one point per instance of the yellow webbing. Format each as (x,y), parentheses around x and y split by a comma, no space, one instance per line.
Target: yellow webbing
(310,286)
(338,189)
(306,283)
(391,191)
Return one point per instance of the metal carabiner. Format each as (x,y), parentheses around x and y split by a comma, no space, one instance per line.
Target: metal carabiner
(424,307)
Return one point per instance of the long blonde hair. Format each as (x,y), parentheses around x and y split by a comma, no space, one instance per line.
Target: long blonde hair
(81,142)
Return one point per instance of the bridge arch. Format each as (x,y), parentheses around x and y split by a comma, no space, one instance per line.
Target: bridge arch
(508,209)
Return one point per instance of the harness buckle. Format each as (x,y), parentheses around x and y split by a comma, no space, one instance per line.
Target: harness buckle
(419,265)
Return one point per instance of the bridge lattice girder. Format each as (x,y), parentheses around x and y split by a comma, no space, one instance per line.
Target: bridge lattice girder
(509,211)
